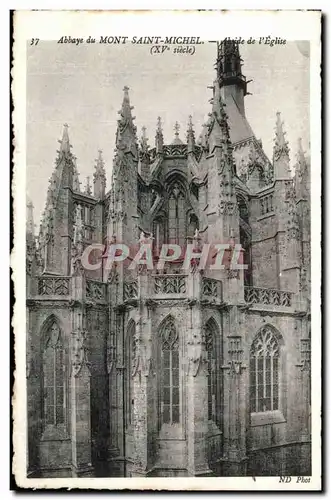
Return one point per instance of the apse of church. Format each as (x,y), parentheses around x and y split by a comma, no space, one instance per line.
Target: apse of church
(166,371)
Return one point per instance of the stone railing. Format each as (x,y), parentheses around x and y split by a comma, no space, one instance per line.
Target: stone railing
(268,296)
(211,288)
(95,290)
(130,290)
(176,150)
(170,284)
(50,285)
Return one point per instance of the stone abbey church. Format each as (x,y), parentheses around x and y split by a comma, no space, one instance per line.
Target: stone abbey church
(144,373)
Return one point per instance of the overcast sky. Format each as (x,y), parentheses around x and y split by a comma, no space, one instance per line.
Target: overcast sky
(82,86)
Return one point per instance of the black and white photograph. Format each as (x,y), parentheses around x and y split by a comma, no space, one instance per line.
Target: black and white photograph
(168,257)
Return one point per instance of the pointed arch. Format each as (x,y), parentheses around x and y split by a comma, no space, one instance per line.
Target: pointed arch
(130,364)
(55,374)
(212,343)
(265,370)
(169,382)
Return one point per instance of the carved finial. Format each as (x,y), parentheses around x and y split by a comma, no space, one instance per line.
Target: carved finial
(159,125)
(126,130)
(65,144)
(143,140)
(177,139)
(159,136)
(281,149)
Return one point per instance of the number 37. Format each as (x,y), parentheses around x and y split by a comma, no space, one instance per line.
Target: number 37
(34,41)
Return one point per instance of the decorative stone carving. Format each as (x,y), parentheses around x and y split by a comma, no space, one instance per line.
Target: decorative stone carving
(211,287)
(268,296)
(95,290)
(130,290)
(170,284)
(79,352)
(53,286)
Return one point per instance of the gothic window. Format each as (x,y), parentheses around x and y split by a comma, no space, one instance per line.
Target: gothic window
(212,372)
(177,215)
(169,390)
(264,372)
(130,348)
(54,378)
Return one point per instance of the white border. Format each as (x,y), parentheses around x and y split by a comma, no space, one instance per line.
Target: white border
(52,25)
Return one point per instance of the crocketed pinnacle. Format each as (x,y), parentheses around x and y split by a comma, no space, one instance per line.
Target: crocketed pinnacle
(190,135)
(177,139)
(99,169)
(143,140)
(88,189)
(126,130)
(29,217)
(159,136)
(281,145)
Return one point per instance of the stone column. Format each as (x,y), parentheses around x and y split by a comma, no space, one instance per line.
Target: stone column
(235,383)
(141,381)
(196,387)
(80,387)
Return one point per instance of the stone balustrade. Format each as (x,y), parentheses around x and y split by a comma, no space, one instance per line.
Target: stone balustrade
(268,296)
(54,285)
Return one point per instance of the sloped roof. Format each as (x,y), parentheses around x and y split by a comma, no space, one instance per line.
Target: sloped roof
(240,129)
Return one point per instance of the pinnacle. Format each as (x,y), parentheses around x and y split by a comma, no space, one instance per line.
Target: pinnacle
(159,125)
(143,139)
(88,189)
(177,139)
(99,168)
(281,145)
(65,144)
(190,132)
(126,107)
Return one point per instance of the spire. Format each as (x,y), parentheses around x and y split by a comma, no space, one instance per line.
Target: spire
(126,131)
(190,136)
(99,169)
(177,139)
(99,177)
(159,136)
(281,158)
